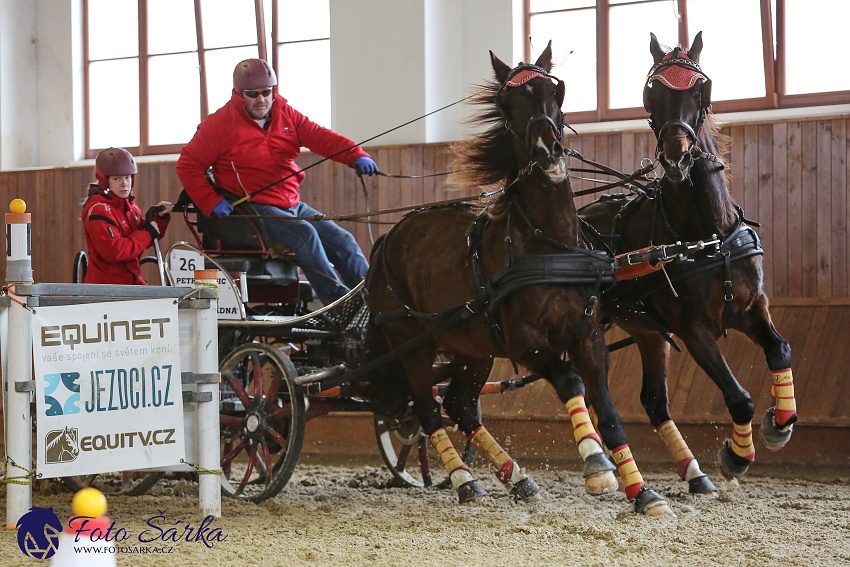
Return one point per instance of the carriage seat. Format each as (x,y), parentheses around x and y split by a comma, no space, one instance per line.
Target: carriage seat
(243,245)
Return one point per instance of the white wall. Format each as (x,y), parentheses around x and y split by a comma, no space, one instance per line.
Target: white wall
(20,106)
(391,61)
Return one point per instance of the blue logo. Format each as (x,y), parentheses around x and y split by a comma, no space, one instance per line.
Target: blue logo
(38,533)
(62,401)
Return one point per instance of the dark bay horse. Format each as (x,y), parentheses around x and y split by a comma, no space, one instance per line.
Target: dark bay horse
(715,276)
(510,281)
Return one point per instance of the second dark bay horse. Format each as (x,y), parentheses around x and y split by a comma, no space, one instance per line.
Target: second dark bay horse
(713,264)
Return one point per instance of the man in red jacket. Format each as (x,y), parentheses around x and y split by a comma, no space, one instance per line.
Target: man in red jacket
(252,142)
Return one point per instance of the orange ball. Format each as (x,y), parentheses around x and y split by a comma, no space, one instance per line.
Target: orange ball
(18,206)
(89,502)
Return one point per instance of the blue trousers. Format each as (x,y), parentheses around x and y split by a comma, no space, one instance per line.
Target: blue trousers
(327,254)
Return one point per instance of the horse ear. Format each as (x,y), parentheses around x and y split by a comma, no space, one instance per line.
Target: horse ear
(500,68)
(696,48)
(545,59)
(705,94)
(655,48)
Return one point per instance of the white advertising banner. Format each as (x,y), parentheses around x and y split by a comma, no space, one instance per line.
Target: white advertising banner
(108,387)
(182,265)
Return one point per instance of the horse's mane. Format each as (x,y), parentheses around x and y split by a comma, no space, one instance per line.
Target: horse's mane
(713,141)
(488,158)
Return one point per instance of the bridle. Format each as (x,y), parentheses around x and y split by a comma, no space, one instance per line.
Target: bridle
(517,77)
(693,73)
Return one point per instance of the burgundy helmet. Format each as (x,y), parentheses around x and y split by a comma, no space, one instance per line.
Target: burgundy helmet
(253,74)
(113,161)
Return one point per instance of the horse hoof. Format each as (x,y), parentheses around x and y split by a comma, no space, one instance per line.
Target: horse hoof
(772,437)
(526,490)
(701,485)
(731,465)
(599,475)
(650,503)
(470,491)
(601,483)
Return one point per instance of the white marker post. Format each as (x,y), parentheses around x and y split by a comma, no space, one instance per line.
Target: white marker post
(19,368)
(206,362)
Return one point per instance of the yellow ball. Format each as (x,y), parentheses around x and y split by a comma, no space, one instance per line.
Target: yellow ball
(18,206)
(89,502)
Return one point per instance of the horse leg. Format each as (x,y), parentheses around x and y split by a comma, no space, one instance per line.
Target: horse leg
(654,351)
(418,368)
(591,360)
(460,402)
(778,422)
(736,454)
(598,468)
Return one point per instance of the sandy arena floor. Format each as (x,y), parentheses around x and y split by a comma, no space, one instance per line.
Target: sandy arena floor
(334,515)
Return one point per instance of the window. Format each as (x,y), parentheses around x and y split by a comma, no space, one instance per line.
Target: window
(758,53)
(156,68)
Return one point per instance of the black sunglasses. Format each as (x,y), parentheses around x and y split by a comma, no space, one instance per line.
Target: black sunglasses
(255,94)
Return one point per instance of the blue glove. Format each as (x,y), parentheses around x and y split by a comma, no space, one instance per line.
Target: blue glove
(223,209)
(365,166)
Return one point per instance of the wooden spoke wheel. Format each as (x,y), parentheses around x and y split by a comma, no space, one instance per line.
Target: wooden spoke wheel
(262,422)
(408,452)
(129,483)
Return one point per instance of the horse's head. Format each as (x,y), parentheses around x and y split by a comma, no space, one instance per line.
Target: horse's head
(677,95)
(530,100)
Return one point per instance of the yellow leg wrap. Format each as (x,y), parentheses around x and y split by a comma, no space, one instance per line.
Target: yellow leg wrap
(783,391)
(676,446)
(628,471)
(482,439)
(742,441)
(448,453)
(580,418)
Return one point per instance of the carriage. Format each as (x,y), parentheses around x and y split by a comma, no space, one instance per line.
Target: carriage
(407,352)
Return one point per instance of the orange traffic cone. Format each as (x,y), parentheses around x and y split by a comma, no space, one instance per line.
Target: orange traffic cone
(77,548)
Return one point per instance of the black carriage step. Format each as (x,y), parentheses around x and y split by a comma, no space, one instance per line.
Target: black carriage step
(232,405)
(324,374)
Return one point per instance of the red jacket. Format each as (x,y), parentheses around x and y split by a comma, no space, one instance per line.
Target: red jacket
(245,158)
(115,238)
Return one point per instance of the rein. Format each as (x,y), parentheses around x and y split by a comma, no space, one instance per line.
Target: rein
(282,179)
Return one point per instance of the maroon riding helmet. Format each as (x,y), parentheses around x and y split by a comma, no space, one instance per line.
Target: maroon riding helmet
(114,161)
(253,74)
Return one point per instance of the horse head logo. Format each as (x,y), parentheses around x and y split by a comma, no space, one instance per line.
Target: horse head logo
(38,533)
(61,445)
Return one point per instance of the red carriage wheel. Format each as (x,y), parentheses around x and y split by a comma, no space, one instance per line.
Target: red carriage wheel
(262,422)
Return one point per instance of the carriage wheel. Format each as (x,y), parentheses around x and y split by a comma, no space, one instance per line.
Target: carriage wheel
(409,455)
(262,422)
(81,266)
(128,483)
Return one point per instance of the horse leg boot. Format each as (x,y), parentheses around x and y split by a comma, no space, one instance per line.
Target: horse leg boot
(737,453)
(463,482)
(686,464)
(598,469)
(520,485)
(778,422)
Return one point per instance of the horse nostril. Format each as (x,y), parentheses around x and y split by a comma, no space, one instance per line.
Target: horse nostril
(558,149)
